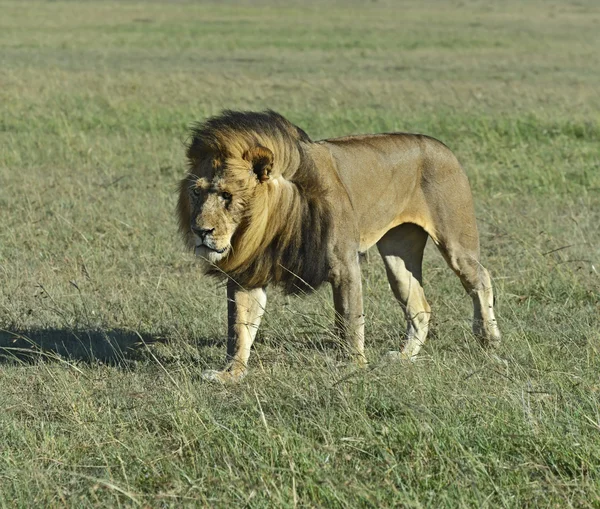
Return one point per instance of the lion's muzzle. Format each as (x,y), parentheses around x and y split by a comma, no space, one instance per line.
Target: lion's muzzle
(206,246)
(202,232)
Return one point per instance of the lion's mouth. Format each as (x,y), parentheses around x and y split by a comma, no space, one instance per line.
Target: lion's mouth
(211,249)
(220,251)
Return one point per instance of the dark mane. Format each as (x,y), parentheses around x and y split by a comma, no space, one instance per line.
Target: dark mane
(296,258)
(296,232)
(215,132)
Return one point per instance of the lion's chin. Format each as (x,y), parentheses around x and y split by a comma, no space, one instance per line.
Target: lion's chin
(210,255)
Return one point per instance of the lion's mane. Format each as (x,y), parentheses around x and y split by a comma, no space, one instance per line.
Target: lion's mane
(283,236)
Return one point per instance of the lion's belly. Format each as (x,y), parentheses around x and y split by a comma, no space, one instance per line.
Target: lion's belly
(369,239)
(370,236)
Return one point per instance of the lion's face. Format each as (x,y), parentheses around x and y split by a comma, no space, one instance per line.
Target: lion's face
(217,192)
(217,209)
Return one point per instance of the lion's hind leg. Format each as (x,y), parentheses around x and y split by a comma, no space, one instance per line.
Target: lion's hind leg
(402,251)
(464,261)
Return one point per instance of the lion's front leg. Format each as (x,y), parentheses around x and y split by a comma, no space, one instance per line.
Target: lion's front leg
(245,309)
(349,315)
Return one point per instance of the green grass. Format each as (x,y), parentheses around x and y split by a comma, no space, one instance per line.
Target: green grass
(106,323)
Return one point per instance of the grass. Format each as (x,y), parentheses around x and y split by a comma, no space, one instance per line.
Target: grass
(107,322)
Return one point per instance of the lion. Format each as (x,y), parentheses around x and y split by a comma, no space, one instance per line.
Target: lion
(262,204)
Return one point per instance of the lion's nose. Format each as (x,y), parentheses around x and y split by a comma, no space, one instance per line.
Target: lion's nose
(202,232)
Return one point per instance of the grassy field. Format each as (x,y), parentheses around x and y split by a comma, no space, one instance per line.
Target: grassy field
(106,322)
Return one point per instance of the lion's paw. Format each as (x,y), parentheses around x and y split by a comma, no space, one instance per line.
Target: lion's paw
(360,361)
(487,333)
(396,356)
(223,377)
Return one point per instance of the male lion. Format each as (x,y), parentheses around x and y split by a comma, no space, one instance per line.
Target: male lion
(263,204)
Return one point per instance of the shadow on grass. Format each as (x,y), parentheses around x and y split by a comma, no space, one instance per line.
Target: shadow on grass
(110,346)
(113,346)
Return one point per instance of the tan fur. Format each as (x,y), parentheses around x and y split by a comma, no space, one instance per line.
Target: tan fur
(270,206)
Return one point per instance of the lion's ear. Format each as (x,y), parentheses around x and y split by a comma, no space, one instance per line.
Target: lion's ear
(261,159)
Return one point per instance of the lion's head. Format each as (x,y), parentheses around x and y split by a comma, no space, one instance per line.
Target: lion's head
(252,204)
(215,197)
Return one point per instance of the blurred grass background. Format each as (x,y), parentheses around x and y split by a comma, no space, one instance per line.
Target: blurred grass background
(107,322)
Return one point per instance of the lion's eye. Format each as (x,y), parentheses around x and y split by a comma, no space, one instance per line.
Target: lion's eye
(196,191)
(226,196)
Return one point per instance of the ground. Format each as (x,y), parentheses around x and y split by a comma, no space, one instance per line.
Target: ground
(106,322)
